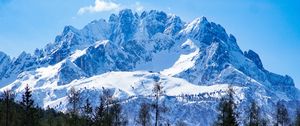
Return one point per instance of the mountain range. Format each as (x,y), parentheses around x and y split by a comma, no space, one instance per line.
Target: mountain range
(195,62)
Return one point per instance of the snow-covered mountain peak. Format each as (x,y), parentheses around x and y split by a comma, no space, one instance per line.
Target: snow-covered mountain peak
(174,25)
(126,53)
(196,24)
(97,30)
(203,20)
(69,29)
(128,40)
(154,15)
(204,31)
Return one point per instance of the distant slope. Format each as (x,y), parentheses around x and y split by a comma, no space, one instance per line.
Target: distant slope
(195,62)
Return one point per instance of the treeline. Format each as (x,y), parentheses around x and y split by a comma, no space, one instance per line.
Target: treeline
(79,111)
(228,114)
(26,113)
(109,112)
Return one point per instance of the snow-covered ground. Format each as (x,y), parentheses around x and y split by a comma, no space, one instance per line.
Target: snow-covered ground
(124,85)
(195,62)
(132,88)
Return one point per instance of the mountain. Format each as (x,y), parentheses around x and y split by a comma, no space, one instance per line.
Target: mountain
(195,62)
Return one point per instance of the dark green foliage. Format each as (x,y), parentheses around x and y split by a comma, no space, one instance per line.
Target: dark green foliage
(18,112)
(9,110)
(52,118)
(87,113)
(100,112)
(27,101)
(109,112)
(8,99)
(30,116)
(227,115)
(103,117)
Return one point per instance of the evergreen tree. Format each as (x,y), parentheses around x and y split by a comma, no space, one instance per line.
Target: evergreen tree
(30,117)
(144,115)
(100,112)
(107,100)
(87,113)
(14,111)
(8,99)
(18,116)
(282,115)
(103,117)
(109,112)
(73,106)
(99,117)
(227,115)
(49,114)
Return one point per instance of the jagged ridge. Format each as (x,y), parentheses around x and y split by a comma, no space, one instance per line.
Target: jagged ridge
(200,52)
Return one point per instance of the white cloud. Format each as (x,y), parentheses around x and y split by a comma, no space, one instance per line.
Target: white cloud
(100,6)
(138,7)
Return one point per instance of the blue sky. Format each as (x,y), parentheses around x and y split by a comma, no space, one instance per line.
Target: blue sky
(269,27)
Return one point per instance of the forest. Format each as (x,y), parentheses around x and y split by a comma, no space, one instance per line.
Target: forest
(109,112)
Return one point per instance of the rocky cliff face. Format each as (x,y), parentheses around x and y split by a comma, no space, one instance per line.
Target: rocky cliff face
(4,64)
(195,55)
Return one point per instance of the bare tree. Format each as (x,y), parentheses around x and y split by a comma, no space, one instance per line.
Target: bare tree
(117,117)
(144,115)
(74,105)
(109,112)
(180,123)
(254,116)
(158,92)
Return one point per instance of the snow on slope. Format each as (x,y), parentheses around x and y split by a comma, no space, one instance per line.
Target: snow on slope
(124,84)
(197,58)
(131,88)
(185,61)
(173,61)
